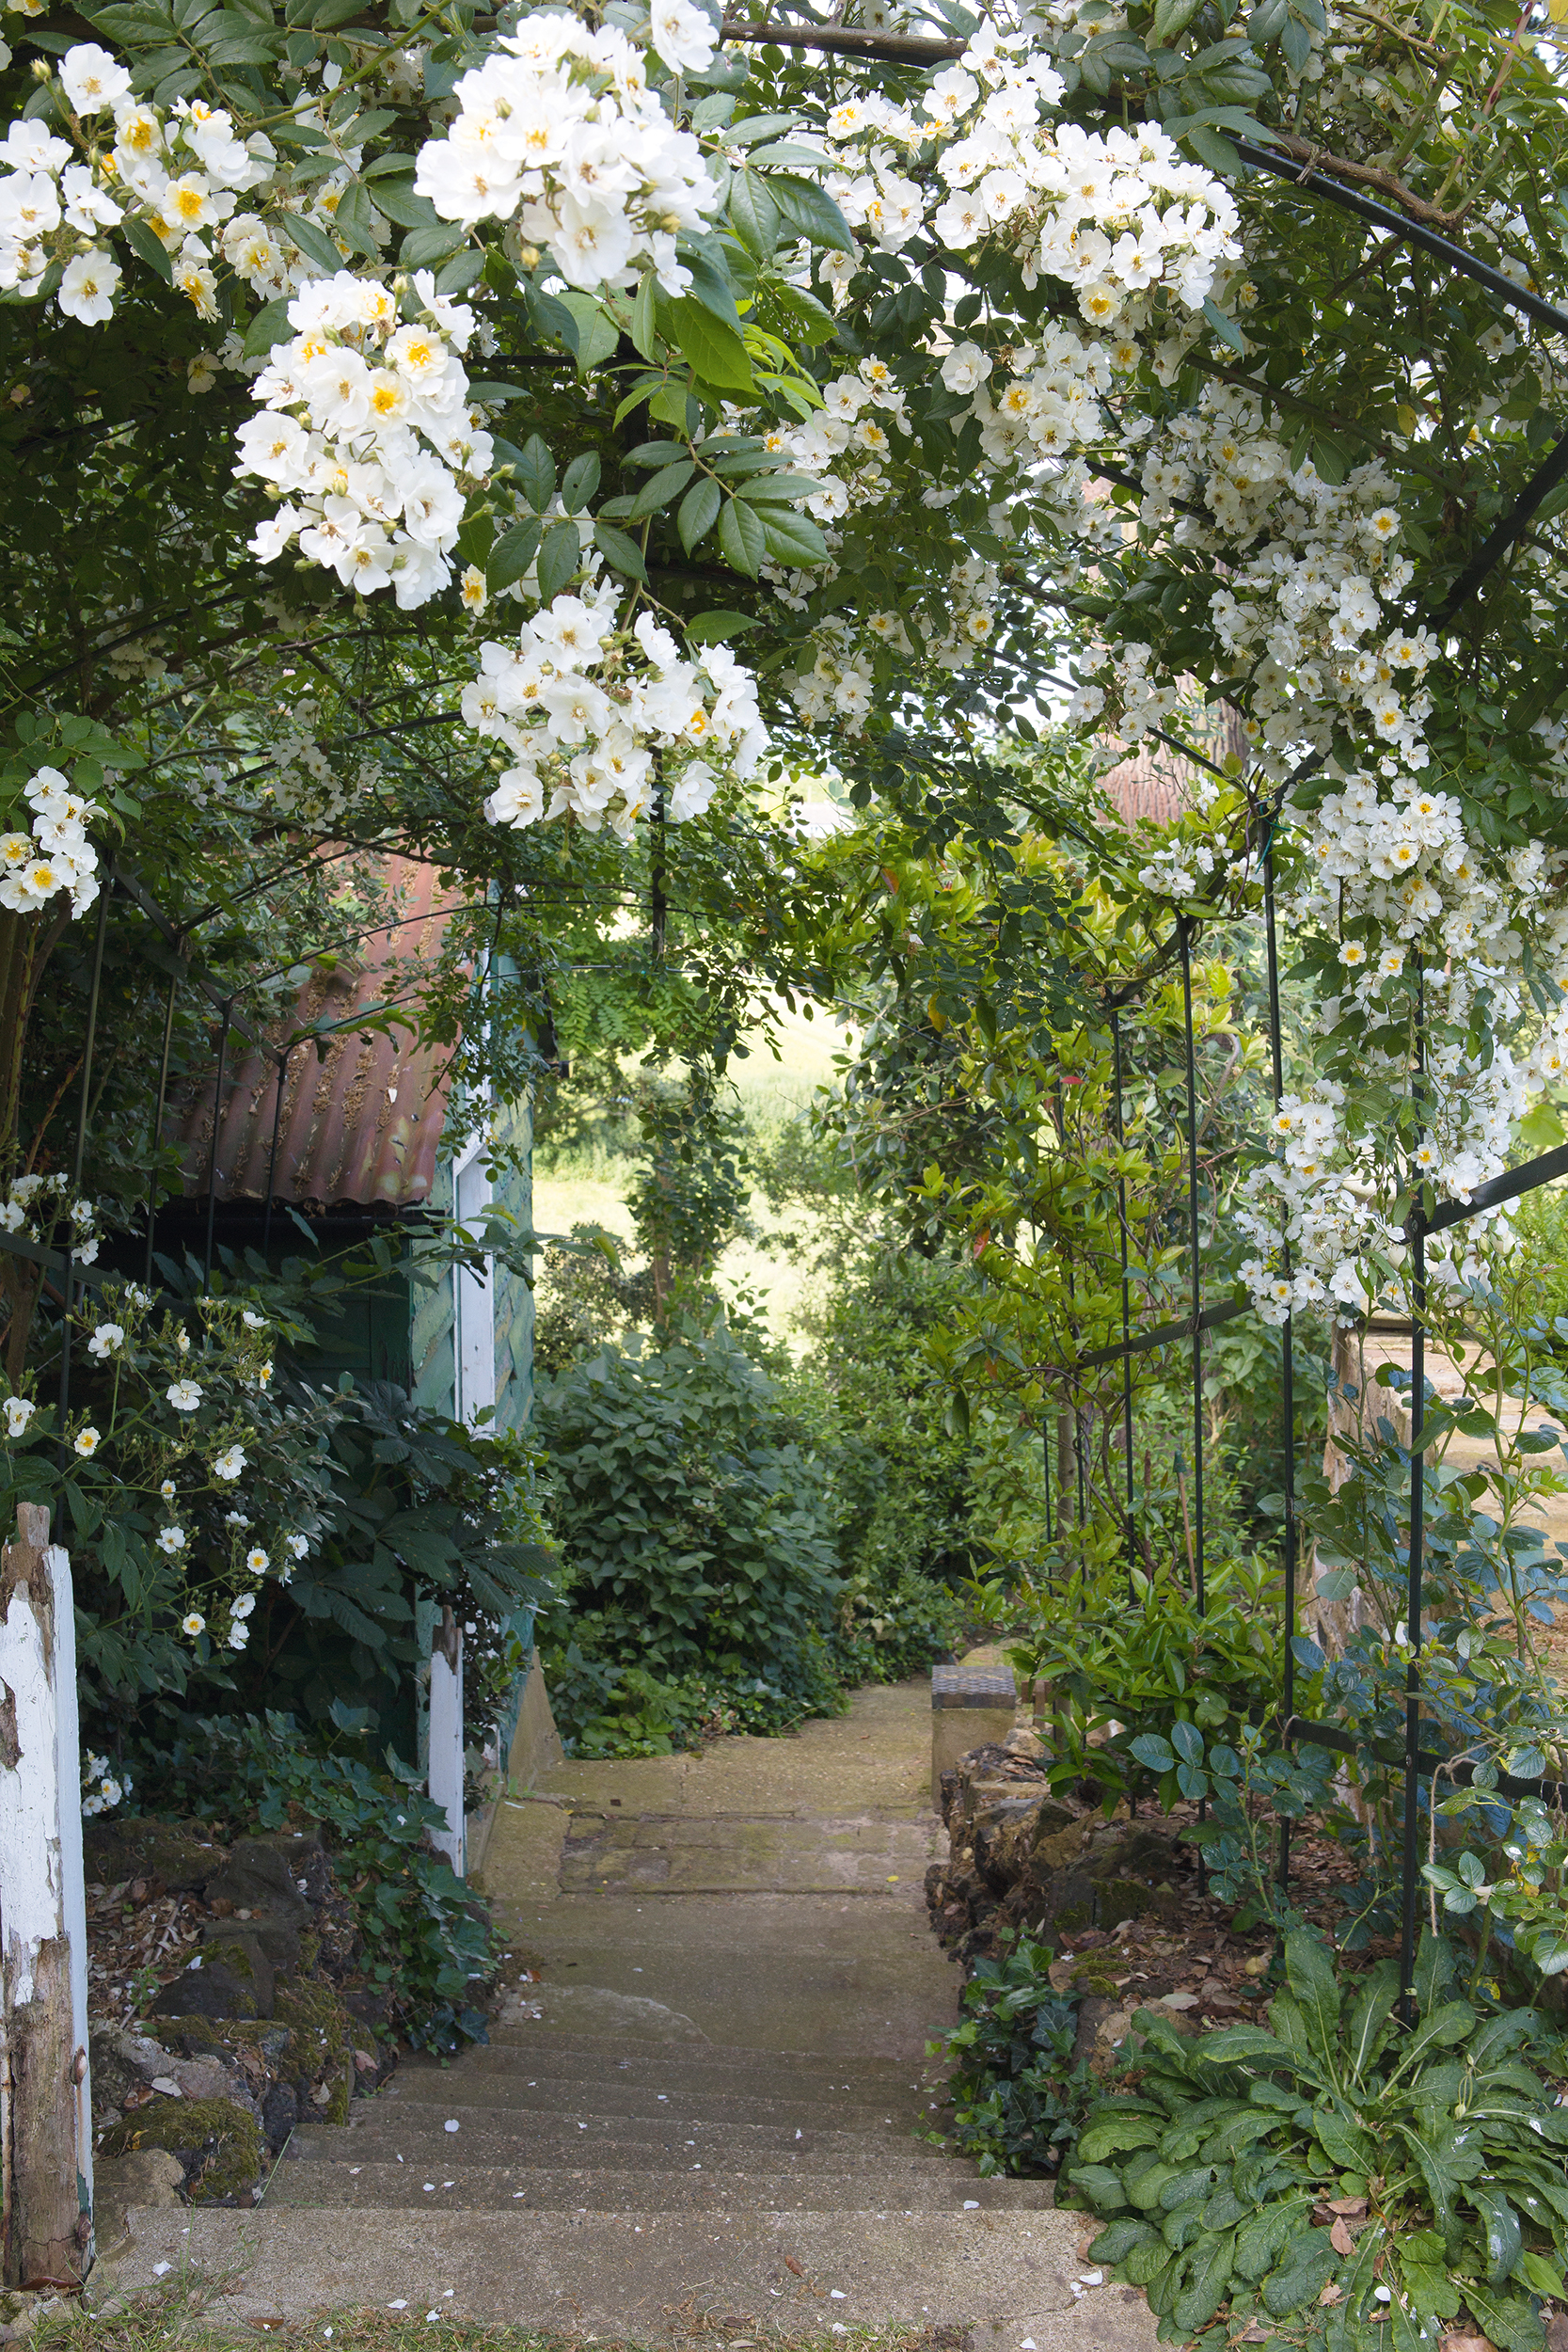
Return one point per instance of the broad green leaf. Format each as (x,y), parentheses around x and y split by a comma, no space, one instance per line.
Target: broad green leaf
(315,247)
(810,211)
(560,559)
(1244,2045)
(139,236)
(660,488)
(1435,1967)
(269,325)
(355,221)
(699,512)
(1371,2019)
(1348,2150)
(1104,2188)
(1504,2243)
(1208,2282)
(597,333)
(513,552)
(397,200)
(620,552)
(715,350)
(1309,1972)
(754,215)
(712,628)
(791,538)
(580,481)
(1115,2244)
(1114,2135)
(1309,2264)
(533,471)
(740,537)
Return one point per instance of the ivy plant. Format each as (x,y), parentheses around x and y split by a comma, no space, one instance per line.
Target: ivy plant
(1344,2179)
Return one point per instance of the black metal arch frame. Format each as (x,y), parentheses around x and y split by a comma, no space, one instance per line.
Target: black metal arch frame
(910,50)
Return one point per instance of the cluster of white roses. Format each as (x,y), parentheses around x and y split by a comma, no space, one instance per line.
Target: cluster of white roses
(954,621)
(102,1789)
(178,171)
(56,855)
(598,718)
(1306,611)
(46,1209)
(1318,1211)
(366,426)
(848,443)
(1111,215)
(559,131)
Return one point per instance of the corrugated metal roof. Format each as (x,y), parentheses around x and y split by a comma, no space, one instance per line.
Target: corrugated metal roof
(361,1113)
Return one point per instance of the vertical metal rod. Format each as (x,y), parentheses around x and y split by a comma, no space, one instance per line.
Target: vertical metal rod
(1413,1600)
(1184,931)
(212,1154)
(79,1162)
(272,1155)
(1288,1404)
(158,1119)
(1126,1303)
(658,905)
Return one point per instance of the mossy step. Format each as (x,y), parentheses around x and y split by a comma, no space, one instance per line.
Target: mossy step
(472,2189)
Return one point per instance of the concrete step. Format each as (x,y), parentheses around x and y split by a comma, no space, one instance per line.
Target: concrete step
(551,2049)
(600,2189)
(654,2279)
(482,2084)
(626,2144)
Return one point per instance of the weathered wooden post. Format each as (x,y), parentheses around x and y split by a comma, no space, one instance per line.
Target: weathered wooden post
(45,2097)
(446,1739)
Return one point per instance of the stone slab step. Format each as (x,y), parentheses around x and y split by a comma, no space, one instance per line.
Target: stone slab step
(482,2083)
(567,2052)
(651,2279)
(627,2145)
(599,2189)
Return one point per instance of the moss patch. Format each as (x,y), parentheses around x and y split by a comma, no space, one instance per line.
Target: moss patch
(325,2033)
(218,2141)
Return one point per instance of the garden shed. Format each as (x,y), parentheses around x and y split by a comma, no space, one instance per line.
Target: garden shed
(354,1136)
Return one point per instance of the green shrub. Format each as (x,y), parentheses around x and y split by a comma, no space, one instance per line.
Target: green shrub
(694,1521)
(426,1938)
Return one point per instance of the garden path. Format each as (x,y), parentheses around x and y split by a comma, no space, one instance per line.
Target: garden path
(698,2112)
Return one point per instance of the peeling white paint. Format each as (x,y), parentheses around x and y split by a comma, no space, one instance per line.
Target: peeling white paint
(30,1875)
(445,1753)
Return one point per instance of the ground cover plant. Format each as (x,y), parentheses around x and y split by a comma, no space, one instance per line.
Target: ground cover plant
(1348,2178)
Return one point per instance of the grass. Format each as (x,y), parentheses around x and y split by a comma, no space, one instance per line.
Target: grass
(187,2310)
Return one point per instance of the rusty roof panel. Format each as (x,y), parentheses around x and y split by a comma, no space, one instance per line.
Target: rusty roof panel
(361,1113)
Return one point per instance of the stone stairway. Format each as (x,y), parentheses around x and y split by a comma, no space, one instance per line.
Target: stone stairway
(546,2123)
(707,2107)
